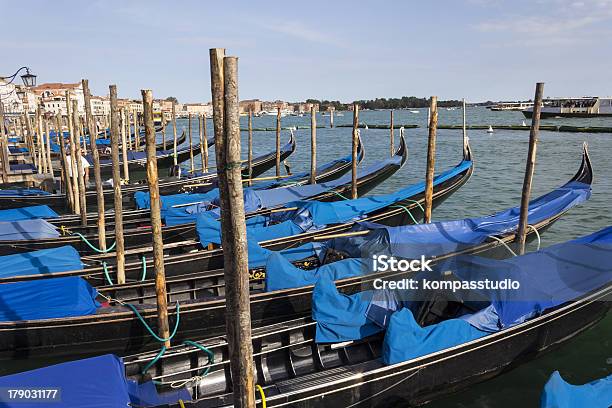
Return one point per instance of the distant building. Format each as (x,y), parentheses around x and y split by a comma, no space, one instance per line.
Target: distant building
(196,109)
(100,106)
(53,96)
(253,105)
(303,107)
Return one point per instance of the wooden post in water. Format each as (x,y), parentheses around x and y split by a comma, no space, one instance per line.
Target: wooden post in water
(120,248)
(124,147)
(431,159)
(136,130)
(174,131)
(73,159)
(391,136)
(6,168)
(202,140)
(163,130)
(331,116)
(354,151)
(48,158)
(156,222)
(464,127)
(30,135)
(42,155)
(278,145)
(250,147)
(79,161)
(313,144)
(530,167)
(234,240)
(93,137)
(205,154)
(65,164)
(191,162)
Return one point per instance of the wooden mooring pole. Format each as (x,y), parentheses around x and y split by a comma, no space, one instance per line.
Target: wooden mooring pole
(93,139)
(278,143)
(224,83)
(124,146)
(64,164)
(73,159)
(530,167)
(354,151)
(6,168)
(174,131)
(250,148)
(431,158)
(391,135)
(163,130)
(203,141)
(191,162)
(313,144)
(48,136)
(120,248)
(331,116)
(79,161)
(156,222)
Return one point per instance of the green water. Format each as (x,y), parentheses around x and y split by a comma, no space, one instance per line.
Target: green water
(496,185)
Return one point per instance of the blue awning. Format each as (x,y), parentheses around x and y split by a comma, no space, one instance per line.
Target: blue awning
(47,299)
(94,382)
(43,262)
(27,213)
(27,230)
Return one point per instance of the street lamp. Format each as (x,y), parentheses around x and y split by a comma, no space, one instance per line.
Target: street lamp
(29,79)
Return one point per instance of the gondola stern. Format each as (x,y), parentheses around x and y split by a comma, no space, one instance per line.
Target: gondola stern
(585,172)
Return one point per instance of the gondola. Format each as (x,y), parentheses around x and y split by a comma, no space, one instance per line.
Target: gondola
(429,349)
(116,329)
(141,235)
(170,185)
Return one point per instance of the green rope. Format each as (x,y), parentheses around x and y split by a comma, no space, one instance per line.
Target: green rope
(407,210)
(417,203)
(154,360)
(151,332)
(98,250)
(108,278)
(337,193)
(211,355)
(144,268)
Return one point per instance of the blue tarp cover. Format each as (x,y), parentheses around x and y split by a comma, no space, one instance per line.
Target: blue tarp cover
(314,215)
(27,213)
(26,230)
(47,299)
(559,394)
(405,339)
(23,192)
(412,241)
(547,278)
(95,382)
(45,261)
(17,150)
(143,200)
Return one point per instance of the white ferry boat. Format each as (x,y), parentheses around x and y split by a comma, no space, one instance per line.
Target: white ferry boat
(511,106)
(582,107)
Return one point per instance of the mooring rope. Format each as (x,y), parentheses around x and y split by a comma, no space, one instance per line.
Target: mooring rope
(197,378)
(261,393)
(66,231)
(537,235)
(144,268)
(407,210)
(503,243)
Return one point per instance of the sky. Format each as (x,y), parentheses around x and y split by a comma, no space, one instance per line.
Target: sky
(338,50)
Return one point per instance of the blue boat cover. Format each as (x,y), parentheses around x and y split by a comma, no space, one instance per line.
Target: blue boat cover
(47,299)
(23,192)
(94,382)
(43,262)
(143,199)
(547,278)
(26,230)
(281,274)
(315,215)
(559,394)
(18,150)
(27,213)
(412,241)
(23,167)
(405,339)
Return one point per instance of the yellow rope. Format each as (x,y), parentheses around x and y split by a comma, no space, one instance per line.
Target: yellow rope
(263,396)
(181,403)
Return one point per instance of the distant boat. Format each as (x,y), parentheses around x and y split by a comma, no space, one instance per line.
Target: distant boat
(523,124)
(511,106)
(582,107)
(490,129)
(451,109)
(415,111)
